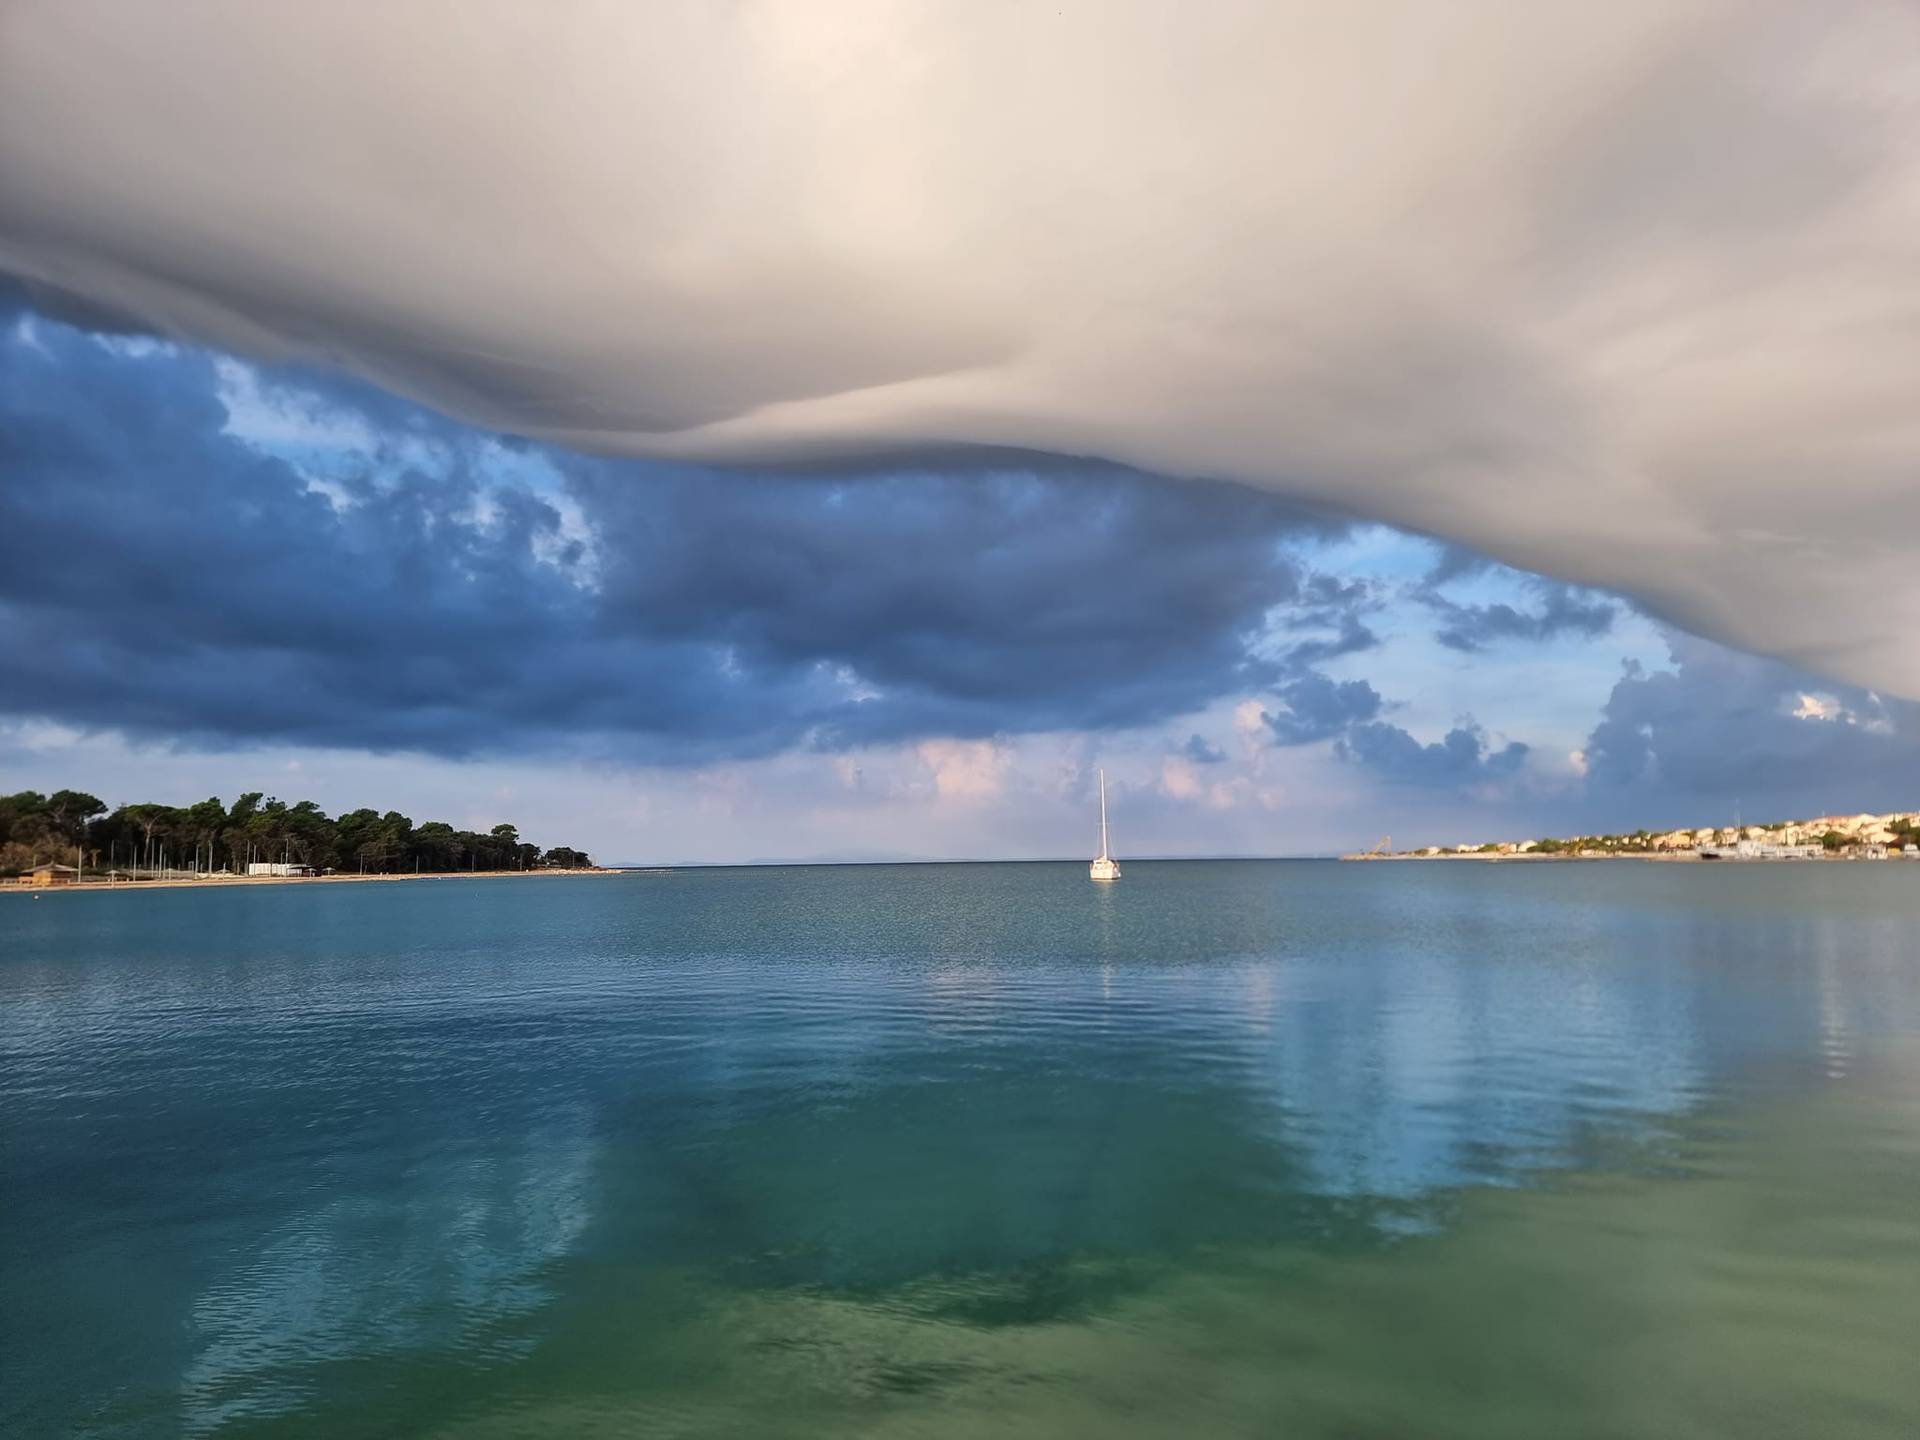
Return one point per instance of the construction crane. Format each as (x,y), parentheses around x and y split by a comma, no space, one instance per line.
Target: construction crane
(1382,851)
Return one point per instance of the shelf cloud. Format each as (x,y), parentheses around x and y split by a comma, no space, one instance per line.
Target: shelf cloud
(1628,295)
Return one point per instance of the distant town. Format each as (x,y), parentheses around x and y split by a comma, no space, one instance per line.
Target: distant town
(1825,837)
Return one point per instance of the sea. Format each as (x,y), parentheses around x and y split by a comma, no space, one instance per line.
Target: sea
(1283,1149)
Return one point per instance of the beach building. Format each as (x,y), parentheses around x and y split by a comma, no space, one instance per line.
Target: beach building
(278,868)
(42,876)
(1760,850)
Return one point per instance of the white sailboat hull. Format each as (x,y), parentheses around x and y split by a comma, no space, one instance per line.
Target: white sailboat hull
(1104,867)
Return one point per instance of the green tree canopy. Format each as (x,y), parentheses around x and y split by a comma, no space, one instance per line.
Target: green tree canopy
(35,828)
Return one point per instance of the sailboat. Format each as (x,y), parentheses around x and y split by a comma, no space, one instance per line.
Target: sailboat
(1105,867)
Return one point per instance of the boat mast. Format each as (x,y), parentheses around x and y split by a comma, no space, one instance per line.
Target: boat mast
(1103,814)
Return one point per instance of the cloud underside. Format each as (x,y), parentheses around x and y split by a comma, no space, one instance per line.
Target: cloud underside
(1624,294)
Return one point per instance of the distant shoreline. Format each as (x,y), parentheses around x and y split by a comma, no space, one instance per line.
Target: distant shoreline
(203,882)
(1677,857)
(1672,857)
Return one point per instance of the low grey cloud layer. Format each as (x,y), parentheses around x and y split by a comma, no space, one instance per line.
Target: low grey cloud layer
(1625,294)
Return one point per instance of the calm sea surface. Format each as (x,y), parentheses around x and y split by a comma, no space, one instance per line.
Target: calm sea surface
(1294,1149)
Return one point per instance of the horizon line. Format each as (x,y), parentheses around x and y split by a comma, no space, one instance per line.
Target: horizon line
(925,860)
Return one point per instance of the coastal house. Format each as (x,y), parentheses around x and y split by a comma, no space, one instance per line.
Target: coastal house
(1893,835)
(276,868)
(42,876)
(1764,850)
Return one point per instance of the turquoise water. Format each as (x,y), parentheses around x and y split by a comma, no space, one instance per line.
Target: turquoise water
(1228,1148)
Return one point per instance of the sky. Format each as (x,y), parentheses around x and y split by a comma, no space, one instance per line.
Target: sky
(749,443)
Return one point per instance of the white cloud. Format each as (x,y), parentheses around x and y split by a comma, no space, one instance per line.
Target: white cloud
(41,737)
(1819,707)
(1179,779)
(1624,293)
(968,771)
(1871,717)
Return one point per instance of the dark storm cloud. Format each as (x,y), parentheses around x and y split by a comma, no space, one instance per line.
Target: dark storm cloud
(1201,753)
(1723,724)
(163,578)
(1351,636)
(1313,707)
(160,576)
(1464,757)
(1564,610)
(1020,601)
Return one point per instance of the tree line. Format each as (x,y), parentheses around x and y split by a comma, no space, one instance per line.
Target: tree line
(36,829)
